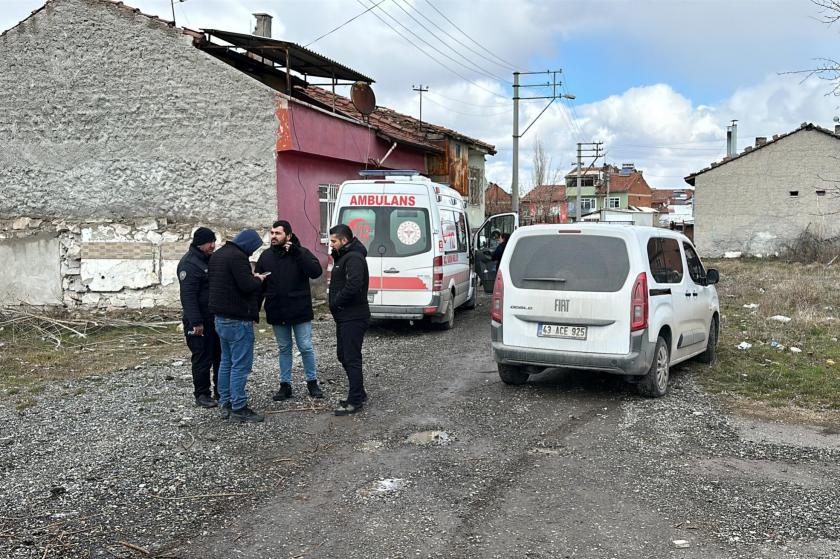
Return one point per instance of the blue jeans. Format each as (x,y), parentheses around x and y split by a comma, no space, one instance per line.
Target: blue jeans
(237,340)
(303,337)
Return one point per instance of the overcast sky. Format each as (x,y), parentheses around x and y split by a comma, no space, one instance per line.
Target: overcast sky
(657,81)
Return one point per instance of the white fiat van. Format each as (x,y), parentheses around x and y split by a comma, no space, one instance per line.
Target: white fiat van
(622,299)
(417,236)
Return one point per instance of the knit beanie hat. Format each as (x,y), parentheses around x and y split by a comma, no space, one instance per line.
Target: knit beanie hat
(203,236)
(248,240)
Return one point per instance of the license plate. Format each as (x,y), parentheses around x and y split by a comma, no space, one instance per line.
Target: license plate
(561,331)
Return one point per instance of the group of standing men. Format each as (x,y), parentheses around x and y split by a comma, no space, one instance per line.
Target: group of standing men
(221,298)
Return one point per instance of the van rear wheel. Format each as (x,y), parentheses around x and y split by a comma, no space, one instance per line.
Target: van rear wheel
(655,383)
(447,322)
(511,374)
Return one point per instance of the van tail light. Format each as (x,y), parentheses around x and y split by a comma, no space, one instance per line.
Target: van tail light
(639,304)
(498,298)
(437,273)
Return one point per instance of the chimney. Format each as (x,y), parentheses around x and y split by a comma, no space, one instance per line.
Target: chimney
(732,139)
(760,141)
(263,28)
(837,129)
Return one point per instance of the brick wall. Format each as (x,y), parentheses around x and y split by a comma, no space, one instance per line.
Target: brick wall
(745,205)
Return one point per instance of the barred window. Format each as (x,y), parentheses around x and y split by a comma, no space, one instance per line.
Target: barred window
(327,194)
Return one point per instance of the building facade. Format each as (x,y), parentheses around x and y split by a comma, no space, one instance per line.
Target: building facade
(760,201)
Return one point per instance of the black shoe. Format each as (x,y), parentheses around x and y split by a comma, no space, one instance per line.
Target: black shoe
(314,389)
(343,403)
(347,408)
(284,393)
(246,415)
(226,411)
(205,401)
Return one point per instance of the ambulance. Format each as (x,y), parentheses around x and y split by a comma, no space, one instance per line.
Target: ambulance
(417,237)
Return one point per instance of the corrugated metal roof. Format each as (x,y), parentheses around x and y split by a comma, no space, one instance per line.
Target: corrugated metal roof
(301,59)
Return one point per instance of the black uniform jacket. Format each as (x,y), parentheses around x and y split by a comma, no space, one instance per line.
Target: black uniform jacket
(288,298)
(349,283)
(195,293)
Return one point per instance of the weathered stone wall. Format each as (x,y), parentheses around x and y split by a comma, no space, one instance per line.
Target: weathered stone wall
(745,205)
(96,263)
(107,113)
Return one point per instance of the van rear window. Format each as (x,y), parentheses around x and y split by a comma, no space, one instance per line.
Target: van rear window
(570,263)
(389,231)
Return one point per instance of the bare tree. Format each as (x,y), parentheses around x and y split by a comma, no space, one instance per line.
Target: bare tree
(542,174)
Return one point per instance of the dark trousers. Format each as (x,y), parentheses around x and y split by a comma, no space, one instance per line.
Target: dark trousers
(349,337)
(206,354)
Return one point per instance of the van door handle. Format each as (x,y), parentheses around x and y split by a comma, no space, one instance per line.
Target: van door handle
(694,294)
(687,294)
(391,271)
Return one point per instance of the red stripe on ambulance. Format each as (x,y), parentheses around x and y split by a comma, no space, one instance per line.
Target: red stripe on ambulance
(399,284)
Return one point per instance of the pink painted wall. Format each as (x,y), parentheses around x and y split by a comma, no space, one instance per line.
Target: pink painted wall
(315,148)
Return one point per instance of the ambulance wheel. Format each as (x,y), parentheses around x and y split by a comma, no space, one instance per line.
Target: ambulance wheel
(448,320)
(511,374)
(470,304)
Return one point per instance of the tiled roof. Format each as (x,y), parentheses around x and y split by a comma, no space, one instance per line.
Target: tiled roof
(619,183)
(393,124)
(750,149)
(545,193)
(496,193)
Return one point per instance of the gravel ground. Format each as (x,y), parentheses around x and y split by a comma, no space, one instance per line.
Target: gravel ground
(446,461)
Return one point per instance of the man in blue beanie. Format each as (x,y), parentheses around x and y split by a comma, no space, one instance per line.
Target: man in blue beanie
(235,301)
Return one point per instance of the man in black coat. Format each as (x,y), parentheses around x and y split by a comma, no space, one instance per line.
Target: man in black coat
(199,323)
(349,307)
(288,304)
(235,300)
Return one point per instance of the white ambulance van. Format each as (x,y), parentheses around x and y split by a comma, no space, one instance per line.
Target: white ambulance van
(418,240)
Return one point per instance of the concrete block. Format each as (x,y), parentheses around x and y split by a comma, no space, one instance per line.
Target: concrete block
(110,275)
(31,271)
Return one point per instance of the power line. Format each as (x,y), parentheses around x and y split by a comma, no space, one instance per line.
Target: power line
(433,47)
(343,24)
(429,55)
(468,114)
(464,33)
(456,39)
(477,105)
(475,67)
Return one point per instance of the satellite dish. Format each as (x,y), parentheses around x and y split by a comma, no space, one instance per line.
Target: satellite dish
(363,98)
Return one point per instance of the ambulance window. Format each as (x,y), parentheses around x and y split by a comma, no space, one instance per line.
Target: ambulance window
(449,230)
(362,221)
(462,233)
(409,232)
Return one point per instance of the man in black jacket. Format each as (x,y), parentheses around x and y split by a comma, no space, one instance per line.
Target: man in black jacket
(199,323)
(235,300)
(349,307)
(288,304)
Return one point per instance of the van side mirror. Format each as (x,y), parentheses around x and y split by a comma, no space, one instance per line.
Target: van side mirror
(712,276)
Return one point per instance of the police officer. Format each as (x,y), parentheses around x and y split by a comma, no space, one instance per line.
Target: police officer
(199,326)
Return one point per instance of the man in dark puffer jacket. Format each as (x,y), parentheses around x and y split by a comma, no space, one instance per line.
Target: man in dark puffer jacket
(288,304)
(349,306)
(235,300)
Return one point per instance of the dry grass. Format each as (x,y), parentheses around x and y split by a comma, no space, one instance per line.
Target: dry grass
(809,294)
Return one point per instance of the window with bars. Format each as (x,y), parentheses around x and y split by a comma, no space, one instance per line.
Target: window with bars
(327,194)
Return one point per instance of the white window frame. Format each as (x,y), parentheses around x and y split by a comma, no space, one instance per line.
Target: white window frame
(327,195)
(616,199)
(587,205)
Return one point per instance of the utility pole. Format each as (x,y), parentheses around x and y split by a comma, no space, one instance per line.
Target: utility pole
(420,90)
(555,94)
(514,185)
(593,149)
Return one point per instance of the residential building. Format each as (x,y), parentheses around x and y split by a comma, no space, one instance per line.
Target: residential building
(608,187)
(545,203)
(143,131)
(761,200)
(496,201)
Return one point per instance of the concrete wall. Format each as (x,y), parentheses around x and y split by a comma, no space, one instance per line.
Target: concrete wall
(32,271)
(745,205)
(107,113)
